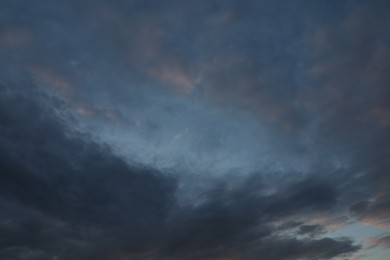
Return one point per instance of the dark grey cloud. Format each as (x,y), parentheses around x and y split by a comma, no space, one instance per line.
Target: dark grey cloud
(233,221)
(311,230)
(171,130)
(64,195)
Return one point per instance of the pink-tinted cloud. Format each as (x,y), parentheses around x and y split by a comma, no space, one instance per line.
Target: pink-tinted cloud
(51,79)
(383,241)
(14,38)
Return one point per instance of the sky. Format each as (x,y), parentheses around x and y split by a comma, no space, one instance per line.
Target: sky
(188,130)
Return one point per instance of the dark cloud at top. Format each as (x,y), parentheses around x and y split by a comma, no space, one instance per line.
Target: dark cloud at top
(193,130)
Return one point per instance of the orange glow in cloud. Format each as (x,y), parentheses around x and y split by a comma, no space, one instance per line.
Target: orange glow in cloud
(381,115)
(378,241)
(13,38)
(377,219)
(85,111)
(148,38)
(329,222)
(51,79)
(105,114)
(175,76)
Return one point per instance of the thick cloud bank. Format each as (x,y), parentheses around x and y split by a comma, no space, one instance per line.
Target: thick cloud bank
(140,129)
(63,196)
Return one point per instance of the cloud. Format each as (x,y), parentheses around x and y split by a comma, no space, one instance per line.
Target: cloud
(13,38)
(64,194)
(348,69)
(311,230)
(50,79)
(373,212)
(325,248)
(383,241)
(174,76)
(247,223)
(302,88)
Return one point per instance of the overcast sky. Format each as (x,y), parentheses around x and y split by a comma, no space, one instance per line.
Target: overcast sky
(190,129)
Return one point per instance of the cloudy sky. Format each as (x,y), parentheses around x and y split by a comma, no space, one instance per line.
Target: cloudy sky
(194,130)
